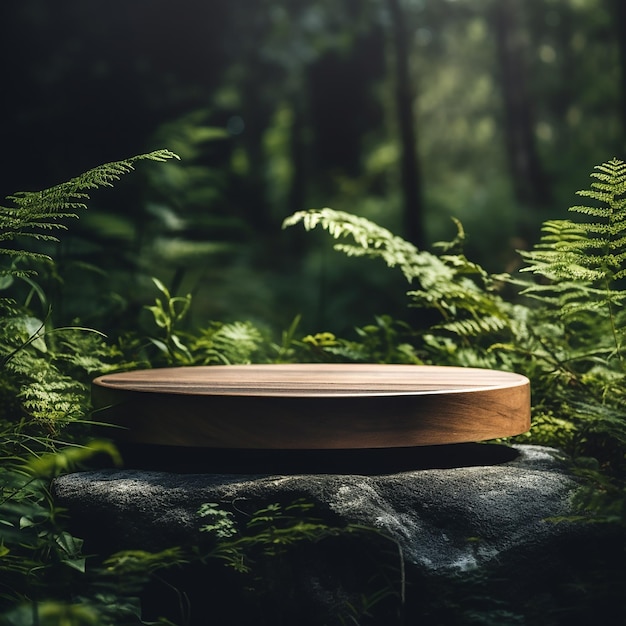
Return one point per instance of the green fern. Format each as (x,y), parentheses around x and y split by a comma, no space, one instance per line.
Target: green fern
(464,295)
(36,215)
(218,343)
(369,239)
(590,252)
(607,236)
(227,344)
(385,341)
(50,375)
(462,292)
(581,263)
(44,384)
(47,373)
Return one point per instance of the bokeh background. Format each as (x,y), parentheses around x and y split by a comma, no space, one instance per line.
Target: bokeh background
(407,112)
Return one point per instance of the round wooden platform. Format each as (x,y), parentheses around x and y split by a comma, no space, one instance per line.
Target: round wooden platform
(312,406)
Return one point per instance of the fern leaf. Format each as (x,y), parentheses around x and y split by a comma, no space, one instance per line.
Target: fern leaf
(227,344)
(461,291)
(583,262)
(30,213)
(369,238)
(475,327)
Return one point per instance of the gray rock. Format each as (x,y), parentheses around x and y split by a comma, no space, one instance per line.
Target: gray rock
(486,524)
(452,518)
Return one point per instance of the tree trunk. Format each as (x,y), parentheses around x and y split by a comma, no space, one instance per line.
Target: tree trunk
(405,100)
(618,10)
(529,180)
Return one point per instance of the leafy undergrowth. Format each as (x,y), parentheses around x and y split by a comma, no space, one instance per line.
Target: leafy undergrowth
(560,321)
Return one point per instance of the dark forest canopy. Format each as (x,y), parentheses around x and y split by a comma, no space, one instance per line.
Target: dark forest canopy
(407,112)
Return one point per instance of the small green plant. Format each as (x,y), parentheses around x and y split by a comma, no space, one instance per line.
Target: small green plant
(217,343)
(168,311)
(267,549)
(242,342)
(384,341)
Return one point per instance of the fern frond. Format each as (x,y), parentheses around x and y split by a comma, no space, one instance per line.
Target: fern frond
(457,288)
(475,327)
(369,238)
(583,262)
(31,212)
(18,254)
(226,344)
(610,170)
(597,211)
(589,251)
(47,394)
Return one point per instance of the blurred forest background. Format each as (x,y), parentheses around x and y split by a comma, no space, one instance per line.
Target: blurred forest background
(407,112)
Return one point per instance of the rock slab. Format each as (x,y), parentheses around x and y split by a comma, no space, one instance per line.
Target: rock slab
(449,523)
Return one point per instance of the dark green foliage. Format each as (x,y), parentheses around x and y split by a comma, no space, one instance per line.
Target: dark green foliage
(572,331)
(565,329)
(41,564)
(268,532)
(582,264)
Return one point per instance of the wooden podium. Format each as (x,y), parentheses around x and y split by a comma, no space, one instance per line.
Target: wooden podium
(311,406)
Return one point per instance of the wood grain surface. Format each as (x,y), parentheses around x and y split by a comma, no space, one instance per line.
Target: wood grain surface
(312,406)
